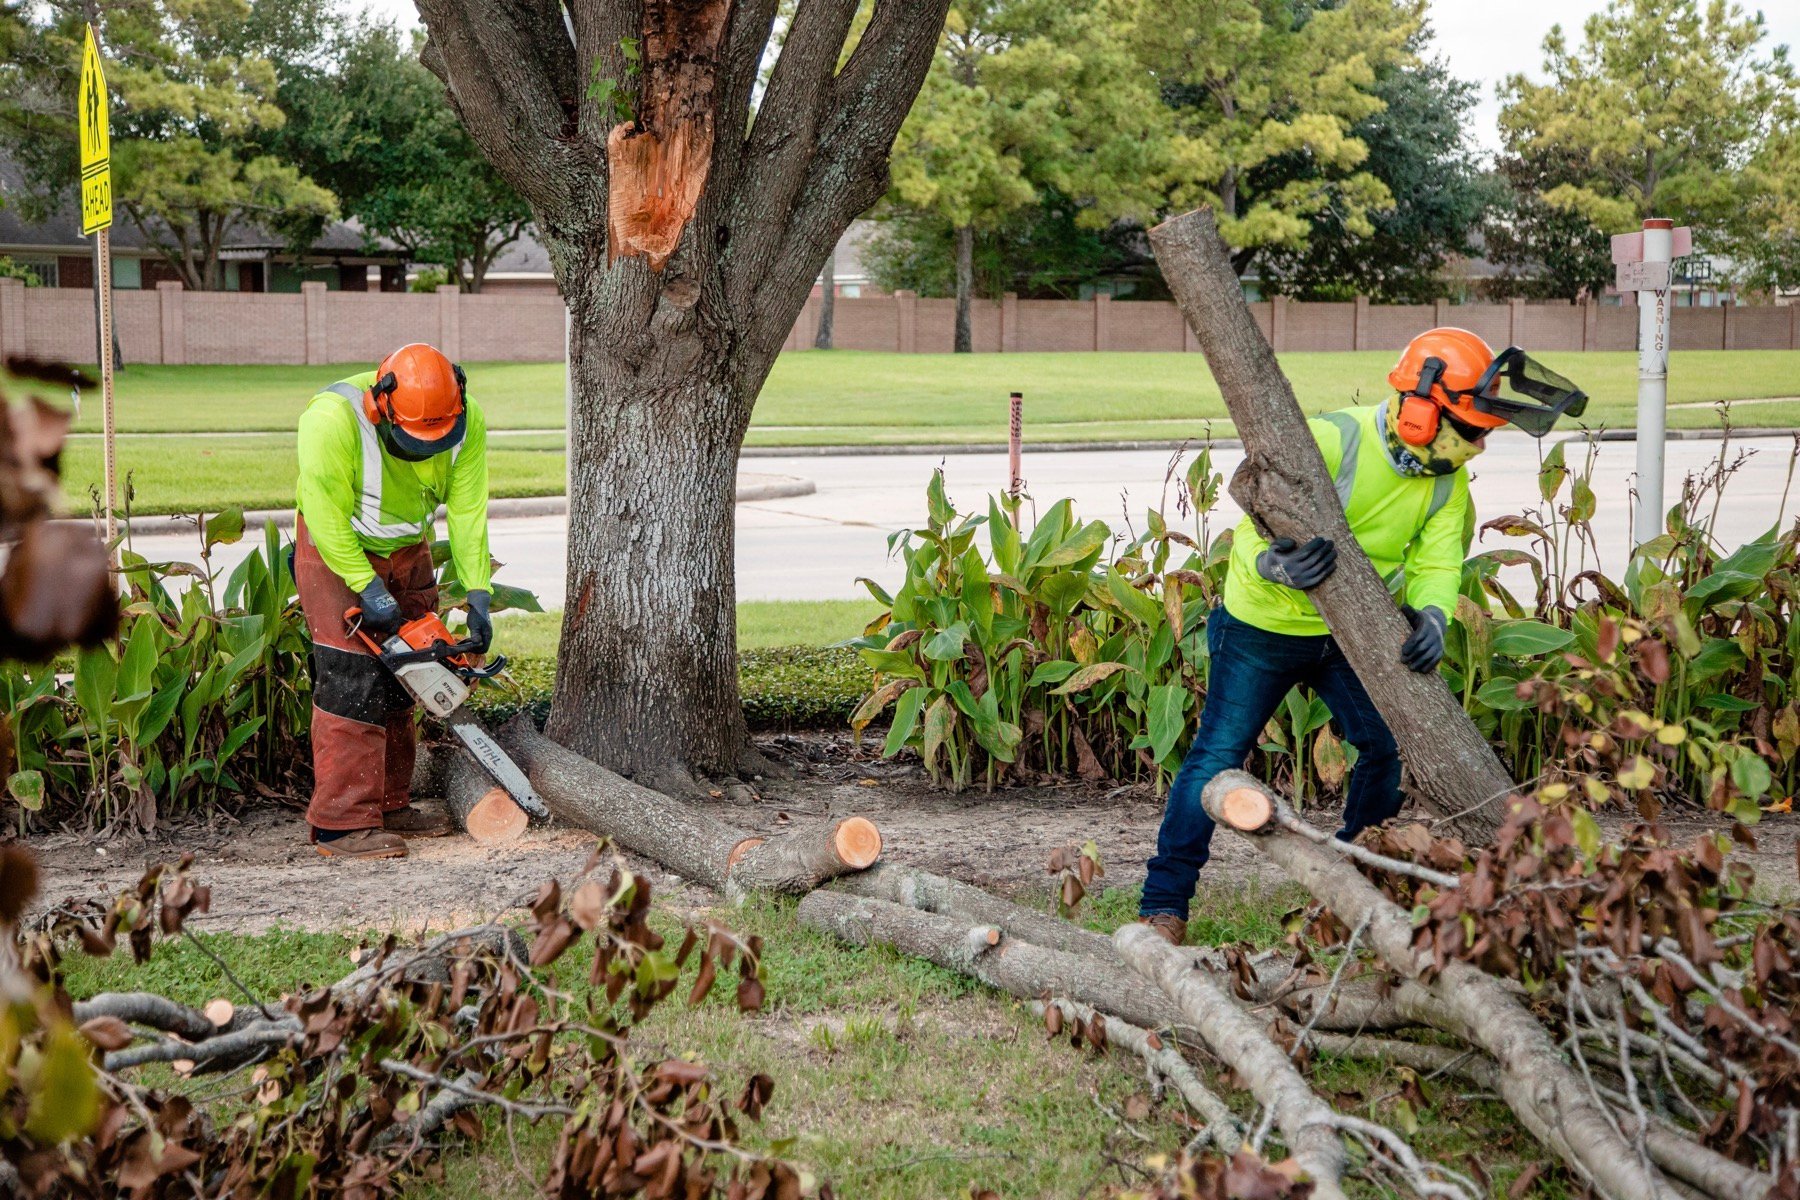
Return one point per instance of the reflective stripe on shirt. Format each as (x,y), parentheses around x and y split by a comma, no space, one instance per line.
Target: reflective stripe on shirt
(368,521)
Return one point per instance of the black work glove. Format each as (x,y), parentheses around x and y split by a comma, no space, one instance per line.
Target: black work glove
(481,626)
(1424,647)
(380,611)
(1300,567)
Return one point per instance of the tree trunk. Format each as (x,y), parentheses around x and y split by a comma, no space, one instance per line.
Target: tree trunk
(1284,486)
(965,286)
(1243,1042)
(694,844)
(985,952)
(827,302)
(1549,1098)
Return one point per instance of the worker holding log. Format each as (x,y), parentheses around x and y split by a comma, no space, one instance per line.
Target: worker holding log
(379,452)
(1400,469)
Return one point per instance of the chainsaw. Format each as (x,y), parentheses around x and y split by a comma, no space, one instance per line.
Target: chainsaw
(440,672)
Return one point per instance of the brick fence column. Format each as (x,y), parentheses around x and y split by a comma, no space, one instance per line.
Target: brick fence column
(1009,322)
(1102,322)
(906,321)
(1359,323)
(12,317)
(1438,310)
(1515,320)
(1278,309)
(312,302)
(1590,325)
(171,302)
(1794,327)
(449,298)
(1727,329)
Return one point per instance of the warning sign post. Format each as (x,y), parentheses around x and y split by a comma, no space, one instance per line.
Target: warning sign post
(95,133)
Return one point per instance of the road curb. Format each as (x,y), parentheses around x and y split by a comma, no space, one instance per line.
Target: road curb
(506,509)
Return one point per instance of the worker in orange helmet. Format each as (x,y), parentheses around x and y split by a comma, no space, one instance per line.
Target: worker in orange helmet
(379,452)
(1400,467)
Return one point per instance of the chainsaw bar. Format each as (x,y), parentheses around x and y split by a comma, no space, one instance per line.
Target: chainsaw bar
(494,761)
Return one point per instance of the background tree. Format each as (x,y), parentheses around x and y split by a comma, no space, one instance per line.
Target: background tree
(1654,115)
(1255,81)
(373,126)
(1418,148)
(1024,96)
(1544,252)
(193,88)
(686,213)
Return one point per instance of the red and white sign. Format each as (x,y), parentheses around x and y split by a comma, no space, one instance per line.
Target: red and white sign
(1629,247)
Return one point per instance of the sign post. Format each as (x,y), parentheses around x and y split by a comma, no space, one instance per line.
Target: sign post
(1644,265)
(96,218)
(1015,428)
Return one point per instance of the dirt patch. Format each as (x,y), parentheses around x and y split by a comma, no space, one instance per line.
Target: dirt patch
(264,874)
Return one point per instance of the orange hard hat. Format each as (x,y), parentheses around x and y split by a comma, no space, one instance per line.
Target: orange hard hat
(417,399)
(1446,365)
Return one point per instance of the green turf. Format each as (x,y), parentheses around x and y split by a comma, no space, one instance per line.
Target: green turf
(761,624)
(874,396)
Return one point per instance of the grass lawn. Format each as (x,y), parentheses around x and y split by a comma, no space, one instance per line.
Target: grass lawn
(894,1078)
(837,398)
(762,624)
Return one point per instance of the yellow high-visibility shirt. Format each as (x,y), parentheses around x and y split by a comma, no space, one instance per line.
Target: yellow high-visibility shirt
(357,498)
(1414,528)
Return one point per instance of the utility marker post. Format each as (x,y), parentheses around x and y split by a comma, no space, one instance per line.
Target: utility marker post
(96,218)
(1644,265)
(1014,434)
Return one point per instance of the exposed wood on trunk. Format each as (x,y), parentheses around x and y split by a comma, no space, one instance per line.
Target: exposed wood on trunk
(1163,1062)
(1546,1094)
(480,807)
(1284,486)
(1305,1121)
(692,843)
(983,951)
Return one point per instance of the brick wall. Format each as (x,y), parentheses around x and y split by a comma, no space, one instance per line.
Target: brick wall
(169,325)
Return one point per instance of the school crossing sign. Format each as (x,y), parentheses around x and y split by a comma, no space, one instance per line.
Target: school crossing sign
(96,141)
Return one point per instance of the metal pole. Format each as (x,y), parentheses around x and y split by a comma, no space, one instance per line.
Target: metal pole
(1015,429)
(1653,385)
(103,281)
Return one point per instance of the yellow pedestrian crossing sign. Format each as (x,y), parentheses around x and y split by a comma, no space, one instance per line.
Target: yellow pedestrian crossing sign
(96,141)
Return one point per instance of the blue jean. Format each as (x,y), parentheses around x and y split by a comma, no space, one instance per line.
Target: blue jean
(1252,671)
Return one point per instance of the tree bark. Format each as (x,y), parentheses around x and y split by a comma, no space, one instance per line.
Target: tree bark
(965,287)
(827,302)
(666,360)
(694,844)
(480,807)
(1284,486)
(985,952)
(1231,1033)
(1549,1098)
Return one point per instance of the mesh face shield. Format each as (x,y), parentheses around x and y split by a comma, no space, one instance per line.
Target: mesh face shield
(1519,389)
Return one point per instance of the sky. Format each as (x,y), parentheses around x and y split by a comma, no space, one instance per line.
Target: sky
(1484,40)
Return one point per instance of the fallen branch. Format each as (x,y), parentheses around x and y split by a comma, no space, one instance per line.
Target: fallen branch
(694,844)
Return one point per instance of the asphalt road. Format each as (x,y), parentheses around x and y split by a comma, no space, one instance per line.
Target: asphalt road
(815,546)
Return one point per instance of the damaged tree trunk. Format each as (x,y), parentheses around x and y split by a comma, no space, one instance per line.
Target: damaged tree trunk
(1283,484)
(686,200)
(694,844)
(1548,1096)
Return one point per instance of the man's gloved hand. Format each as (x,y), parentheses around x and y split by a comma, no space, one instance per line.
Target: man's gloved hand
(481,626)
(1299,567)
(1424,647)
(380,611)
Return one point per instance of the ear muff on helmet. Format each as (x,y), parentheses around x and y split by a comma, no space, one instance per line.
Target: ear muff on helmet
(373,408)
(1417,424)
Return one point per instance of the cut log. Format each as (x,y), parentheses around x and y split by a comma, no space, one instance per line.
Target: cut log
(694,844)
(1283,484)
(480,807)
(1306,1122)
(933,893)
(1546,1094)
(985,952)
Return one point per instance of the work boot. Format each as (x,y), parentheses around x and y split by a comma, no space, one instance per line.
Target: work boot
(364,843)
(1167,926)
(413,821)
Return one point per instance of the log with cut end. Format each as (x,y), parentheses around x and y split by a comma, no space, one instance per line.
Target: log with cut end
(480,807)
(1305,1120)
(1284,485)
(1548,1096)
(694,844)
(984,951)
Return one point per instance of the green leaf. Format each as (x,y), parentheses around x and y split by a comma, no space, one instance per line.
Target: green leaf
(1501,695)
(1716,656)
(1088,676)
(947,644)
(1552,473)
(906,719)
(1751,774)
(224,528)
(1586,829)
(65,1095)
(504,598)
(940,718)
(95,675)
(1528,639)
(1719,702)
(237,737)
(27,788)
(1003,537)
(1054,671)
(1168,709)
(1082,545)
(1139,607)
(1063,591)
(938,503)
